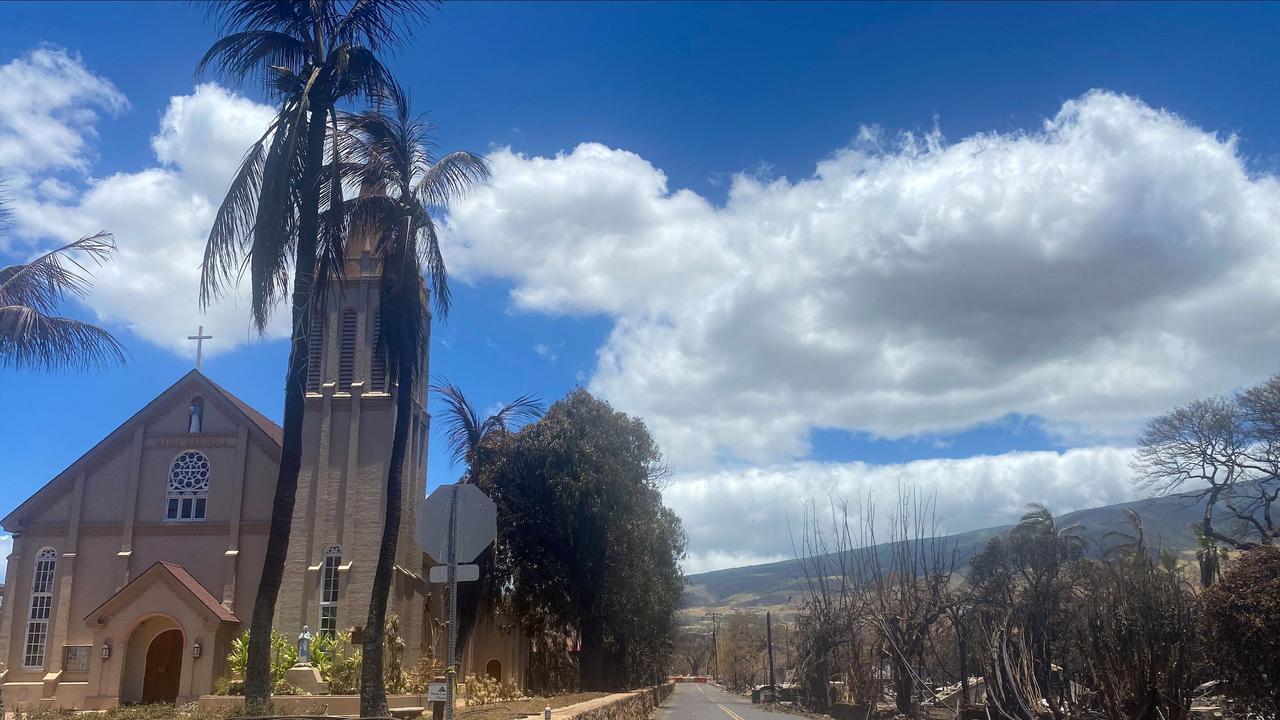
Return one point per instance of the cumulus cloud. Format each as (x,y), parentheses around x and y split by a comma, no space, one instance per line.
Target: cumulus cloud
(747,516)
(49,104)
(1089,272)
(160,217)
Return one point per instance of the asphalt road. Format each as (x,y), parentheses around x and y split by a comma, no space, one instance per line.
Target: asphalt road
(698,701)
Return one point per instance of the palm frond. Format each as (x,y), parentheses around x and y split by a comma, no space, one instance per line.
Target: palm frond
(450,177)
(295,17)
(526,408)
(382,23)
(253,53)
(460,421)
(29,339)
(433,260)
(47,280)
(233,224)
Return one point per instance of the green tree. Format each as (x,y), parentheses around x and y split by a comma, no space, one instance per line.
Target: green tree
(386,151)
(589,545)
(465,434)
(310,55)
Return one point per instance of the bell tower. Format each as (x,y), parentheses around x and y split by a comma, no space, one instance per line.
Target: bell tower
(347,432)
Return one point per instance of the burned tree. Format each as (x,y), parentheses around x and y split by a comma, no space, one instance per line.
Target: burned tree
(1224,452)
(880,601)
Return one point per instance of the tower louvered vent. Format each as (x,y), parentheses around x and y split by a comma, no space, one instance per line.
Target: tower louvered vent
(347,350)
(378,371)
(315,351)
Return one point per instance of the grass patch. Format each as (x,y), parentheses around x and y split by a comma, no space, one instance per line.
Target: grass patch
(510,709)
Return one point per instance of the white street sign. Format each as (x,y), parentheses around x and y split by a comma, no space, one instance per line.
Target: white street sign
(477,523)
(465,573)
(437,692)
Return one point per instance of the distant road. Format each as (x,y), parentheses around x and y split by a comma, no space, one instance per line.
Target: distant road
(698,701)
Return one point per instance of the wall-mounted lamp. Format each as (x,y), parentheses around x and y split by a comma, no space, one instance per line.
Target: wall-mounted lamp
(195,649)
(106,650)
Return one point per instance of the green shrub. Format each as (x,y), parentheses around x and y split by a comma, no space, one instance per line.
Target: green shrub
(284,655)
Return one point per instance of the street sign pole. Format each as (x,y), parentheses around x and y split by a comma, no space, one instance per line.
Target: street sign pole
(452,561)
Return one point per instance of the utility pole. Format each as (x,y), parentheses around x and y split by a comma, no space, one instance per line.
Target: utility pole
(768,631)
(715,650)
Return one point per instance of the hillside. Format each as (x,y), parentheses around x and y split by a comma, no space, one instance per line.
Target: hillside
(1166,521)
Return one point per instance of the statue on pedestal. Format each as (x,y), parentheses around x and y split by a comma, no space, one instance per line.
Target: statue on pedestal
(304,646)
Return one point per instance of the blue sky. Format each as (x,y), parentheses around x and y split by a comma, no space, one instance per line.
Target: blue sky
(942,127)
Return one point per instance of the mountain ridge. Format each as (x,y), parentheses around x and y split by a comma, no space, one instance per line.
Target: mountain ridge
(1167,525)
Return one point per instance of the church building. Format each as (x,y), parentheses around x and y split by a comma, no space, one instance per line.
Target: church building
(134,569)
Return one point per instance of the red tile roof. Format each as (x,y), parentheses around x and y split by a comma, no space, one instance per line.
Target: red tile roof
(185,579)
(200,591)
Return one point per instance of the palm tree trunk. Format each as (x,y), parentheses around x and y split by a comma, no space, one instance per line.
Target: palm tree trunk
(257,681)
(373,691)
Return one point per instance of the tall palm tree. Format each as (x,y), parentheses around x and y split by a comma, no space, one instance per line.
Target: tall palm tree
(387,150)
(31,336)
(311,55)
(465,432)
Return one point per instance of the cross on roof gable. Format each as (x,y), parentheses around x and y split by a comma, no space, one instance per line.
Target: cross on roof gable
(194,382)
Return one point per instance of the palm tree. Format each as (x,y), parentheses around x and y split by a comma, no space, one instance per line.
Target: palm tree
(387,151)
(31,336)
(465,433)
(311,55)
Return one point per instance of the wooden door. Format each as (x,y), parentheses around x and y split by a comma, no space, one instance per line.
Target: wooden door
(164,668)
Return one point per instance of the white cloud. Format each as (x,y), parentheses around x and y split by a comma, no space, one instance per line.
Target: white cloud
(160,217)
(545,352)
(746,516)
(49,104)
(1095,271)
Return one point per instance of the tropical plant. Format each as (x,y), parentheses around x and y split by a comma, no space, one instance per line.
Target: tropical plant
(465,434)
(387,151)
(310,55)
(31,335)
(284,655)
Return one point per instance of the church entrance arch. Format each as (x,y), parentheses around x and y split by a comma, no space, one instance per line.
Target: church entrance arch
(163,669)
(153,662)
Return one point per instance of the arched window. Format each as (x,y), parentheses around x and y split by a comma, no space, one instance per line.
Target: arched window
(41,608)
(188,487)
(195,420)
(329,590)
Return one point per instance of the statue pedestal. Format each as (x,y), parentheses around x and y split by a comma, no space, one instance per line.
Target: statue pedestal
(307,679)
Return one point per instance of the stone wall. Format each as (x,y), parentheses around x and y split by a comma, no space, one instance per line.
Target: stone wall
(635,705)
